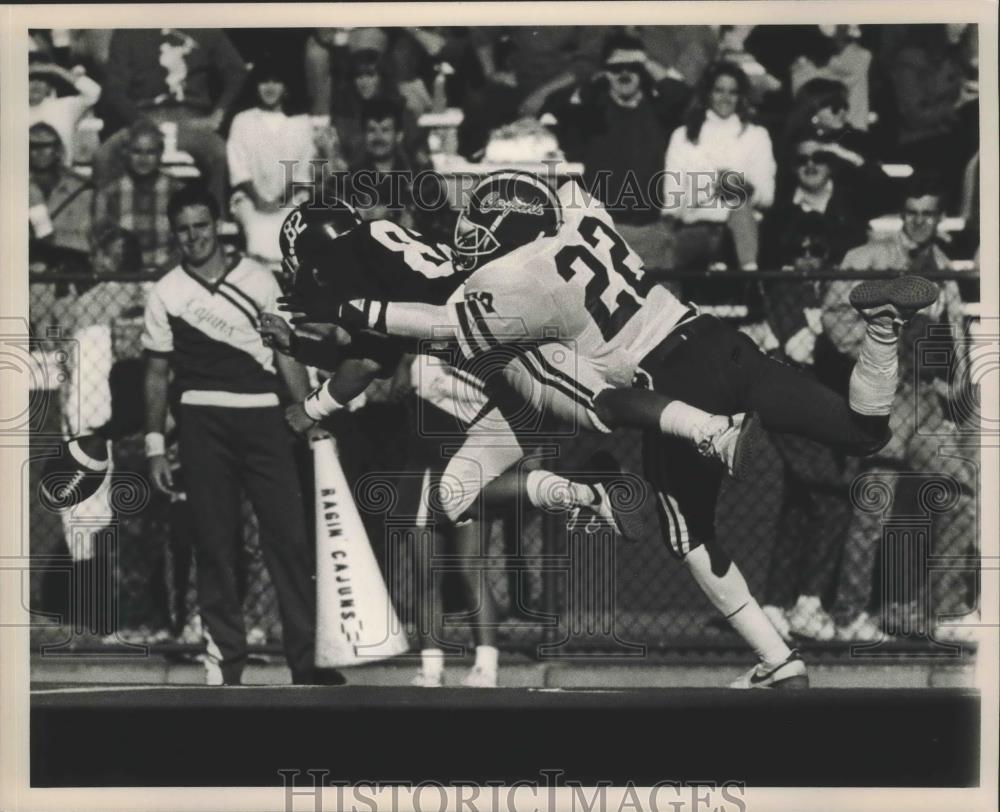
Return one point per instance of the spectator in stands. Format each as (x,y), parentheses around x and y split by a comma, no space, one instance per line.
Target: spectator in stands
(370,79)
(327,57)
(814,513)
(912,250)
(59,202)
(380,184)
(717,150)
(821,109)
(268,152)
(816,189)
(845,61)
(687,50)
(618,124)
(62,112)
(186,77)
(137,201)
(933,81)
(522,67)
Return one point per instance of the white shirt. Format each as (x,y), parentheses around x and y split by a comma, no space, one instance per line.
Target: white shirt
(723,144)
(259,140)
(813,201)
(63,113)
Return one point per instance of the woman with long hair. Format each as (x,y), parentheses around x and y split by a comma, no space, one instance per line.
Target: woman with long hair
(719,170)
(262,140)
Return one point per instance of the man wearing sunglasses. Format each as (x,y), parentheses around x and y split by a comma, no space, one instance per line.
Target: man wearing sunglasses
(814,188)
(618,124)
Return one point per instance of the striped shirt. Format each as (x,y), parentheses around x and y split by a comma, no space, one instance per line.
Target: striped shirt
(142,209)
(209,333)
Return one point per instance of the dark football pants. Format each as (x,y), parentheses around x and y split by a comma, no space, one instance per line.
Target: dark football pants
(223,452)
(714,367)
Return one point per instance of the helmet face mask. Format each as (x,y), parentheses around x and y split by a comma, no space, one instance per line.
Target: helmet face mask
(505,211)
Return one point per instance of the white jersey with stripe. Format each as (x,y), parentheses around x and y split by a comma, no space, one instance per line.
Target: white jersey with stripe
(584,288)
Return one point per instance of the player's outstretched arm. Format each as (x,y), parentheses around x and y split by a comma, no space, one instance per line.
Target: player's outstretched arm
(351,379)
(404,319)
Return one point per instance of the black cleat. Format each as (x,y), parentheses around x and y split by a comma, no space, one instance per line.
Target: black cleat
(897,299)
(620,497)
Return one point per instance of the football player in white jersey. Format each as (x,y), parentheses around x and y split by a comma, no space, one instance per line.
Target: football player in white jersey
(576,291)
(330,255)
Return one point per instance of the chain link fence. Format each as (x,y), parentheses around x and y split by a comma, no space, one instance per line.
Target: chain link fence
(831,543)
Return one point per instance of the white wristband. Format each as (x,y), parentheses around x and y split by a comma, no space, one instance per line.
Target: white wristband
(156,446)
(320,403)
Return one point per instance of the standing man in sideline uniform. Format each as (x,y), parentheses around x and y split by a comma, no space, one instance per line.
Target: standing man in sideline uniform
(201,324)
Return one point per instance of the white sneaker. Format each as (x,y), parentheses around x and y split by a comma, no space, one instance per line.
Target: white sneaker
(790,674)
(256,636)
(733,441)
(964,629)
(777,617)
(425,680)
(809,619)
(480,678)
(861,630)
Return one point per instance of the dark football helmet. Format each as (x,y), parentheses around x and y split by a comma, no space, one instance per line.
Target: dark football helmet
(305,232)
(505,210)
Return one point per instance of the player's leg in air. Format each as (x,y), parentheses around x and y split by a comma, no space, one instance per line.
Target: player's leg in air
(714,367)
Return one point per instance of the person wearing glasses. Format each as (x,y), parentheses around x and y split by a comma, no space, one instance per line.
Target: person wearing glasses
(617,124)
(821,109)
(59,200)
(815,188)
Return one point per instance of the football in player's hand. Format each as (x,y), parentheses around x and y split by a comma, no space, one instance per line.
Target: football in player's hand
(75,474)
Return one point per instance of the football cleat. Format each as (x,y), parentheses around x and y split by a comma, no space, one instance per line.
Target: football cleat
(734,441)
(790,674)
(894,301)
(617,503)
(479,677)
(422,679)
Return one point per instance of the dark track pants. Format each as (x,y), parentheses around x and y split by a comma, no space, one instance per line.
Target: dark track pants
(708,364)
(223,452)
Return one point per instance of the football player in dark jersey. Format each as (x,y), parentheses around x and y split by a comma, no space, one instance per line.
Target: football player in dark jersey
(329,255)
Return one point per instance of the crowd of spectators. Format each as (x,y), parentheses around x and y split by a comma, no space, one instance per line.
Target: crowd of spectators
(802,132)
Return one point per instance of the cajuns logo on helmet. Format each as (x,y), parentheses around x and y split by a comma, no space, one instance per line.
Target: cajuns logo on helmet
(506,210)
(495,201)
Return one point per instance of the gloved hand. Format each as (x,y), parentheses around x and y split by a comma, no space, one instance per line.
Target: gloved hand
(315,309)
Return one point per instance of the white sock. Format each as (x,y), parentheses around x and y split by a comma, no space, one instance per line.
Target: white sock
(432,661)
(730,594)
(876,372)
(486,658)
(679,419)
(553,492)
